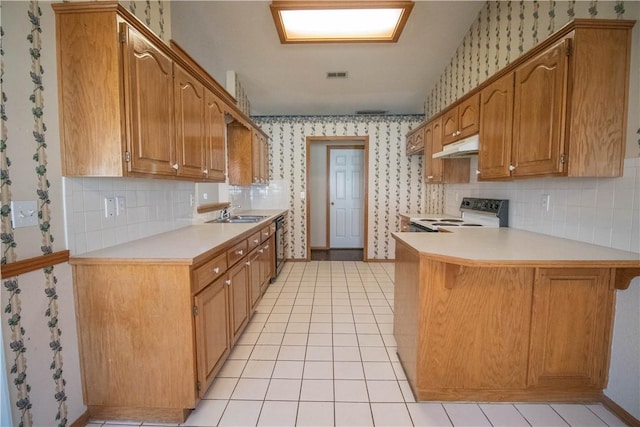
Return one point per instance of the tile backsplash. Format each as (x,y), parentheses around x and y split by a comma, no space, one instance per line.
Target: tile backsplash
(603,211)
(152,206)
(272,196)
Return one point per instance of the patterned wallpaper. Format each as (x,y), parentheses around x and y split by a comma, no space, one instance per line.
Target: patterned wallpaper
(394,184)
(503,31)
(38,307)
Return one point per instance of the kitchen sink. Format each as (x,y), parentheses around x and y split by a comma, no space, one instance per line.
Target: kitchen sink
(241,219)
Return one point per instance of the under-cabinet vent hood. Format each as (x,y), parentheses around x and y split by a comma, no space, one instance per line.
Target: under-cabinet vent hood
(465,148)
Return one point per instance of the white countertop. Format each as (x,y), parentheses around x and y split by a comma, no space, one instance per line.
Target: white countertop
(183,245)
(510,246)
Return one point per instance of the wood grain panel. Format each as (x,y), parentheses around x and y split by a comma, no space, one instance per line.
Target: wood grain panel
(32,264)
(145,309)
(597,121)
(468,115)
(215,154)
(93,156)
(462,347)
(190,108)
(406,308)
(571,328)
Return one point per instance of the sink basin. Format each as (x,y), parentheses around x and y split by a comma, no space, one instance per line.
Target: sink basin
(241,219)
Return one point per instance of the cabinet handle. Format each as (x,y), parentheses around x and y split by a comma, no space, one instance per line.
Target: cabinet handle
(228,282)
(239,252)
(266,247)
(459,132)
(256,241)
(430,177)
(453,134)
(247,263)
(175,166)
(260,251)
(477,172)
(512,168)
(216,270)
(206,171)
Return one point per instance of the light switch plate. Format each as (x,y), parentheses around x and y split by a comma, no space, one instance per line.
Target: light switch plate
(24,213)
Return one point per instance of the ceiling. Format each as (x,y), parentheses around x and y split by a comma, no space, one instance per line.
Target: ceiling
(291,79)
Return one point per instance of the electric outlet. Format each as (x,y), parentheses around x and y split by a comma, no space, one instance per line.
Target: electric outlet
(24,214)
(205,196)
(109,207)
(191,200)
(545,201)
(120,205)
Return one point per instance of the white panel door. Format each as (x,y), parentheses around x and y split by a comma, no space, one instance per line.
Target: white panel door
(346,195)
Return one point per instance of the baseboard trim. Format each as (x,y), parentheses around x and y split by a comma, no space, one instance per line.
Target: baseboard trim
(82,421)
(379,260)
(620,412)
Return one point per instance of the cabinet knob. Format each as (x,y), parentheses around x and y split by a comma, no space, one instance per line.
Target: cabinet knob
(228,282)
(459,132)
(206,171)
(430,177)
(477,172)
(260,251)
(256,241)
(216,270)
(512,168)
(266,247)
(239,252)
(247,263)
(175,166)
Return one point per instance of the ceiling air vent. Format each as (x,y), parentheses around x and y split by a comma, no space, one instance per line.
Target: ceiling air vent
(337,75)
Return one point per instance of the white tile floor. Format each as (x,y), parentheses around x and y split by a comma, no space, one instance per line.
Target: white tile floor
(320,351)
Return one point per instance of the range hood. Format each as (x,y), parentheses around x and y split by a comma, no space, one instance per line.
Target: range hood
(464,148)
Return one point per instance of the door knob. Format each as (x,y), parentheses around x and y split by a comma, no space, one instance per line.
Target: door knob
(332,203)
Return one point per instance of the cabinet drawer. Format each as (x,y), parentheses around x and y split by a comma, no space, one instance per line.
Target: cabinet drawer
(254,240)
(235,253)
(208,272)
(268,231)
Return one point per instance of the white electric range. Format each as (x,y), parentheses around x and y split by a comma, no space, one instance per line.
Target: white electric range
(475,212)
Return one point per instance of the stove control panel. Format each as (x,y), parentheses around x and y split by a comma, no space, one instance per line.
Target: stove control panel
(483,205)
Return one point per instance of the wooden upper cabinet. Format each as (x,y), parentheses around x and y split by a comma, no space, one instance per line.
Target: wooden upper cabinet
(260,154)
(539,112)
(415,141)
(439,171)
(248,155)
(461,120)
(496,124)
(214,125)
(190,117)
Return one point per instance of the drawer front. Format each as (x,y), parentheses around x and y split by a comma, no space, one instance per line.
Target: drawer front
(254,241)
(209,271)
(238,251)
(267,231)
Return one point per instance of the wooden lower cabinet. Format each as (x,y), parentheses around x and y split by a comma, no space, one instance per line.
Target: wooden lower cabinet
(502,333)
(153,335)
(212,332)
(239,297)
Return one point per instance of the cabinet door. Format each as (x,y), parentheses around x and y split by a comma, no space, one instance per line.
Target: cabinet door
(189,100)
(468,117)
(450,126)
(571,328)
(539,113)
(239,298)
(256,154)
(268,256)
(149,105)
(415,141)
(255,276)
(214,128)
(433,144)
(212,332)
(264,159)
(496,124)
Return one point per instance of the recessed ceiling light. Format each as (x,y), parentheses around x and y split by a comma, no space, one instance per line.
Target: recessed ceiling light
(340,21)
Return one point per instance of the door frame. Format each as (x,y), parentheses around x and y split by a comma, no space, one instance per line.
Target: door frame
(328,176)
(307,193)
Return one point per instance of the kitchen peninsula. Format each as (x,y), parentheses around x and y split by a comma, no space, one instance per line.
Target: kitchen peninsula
(505,314)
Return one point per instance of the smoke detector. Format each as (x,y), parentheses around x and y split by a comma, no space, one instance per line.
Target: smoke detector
(337,75)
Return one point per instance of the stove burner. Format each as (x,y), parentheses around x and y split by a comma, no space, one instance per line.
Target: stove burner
(429,219)
(446,224)
(451,220)
(472,225)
